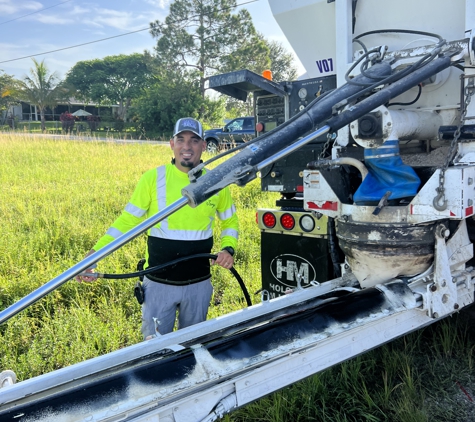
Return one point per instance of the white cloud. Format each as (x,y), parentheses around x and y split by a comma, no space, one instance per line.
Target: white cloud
(8,7)
(78,10)
(122,20)
(72,24)
(95,17)
(8,51)
(162,4)
(52,19)
(116,19)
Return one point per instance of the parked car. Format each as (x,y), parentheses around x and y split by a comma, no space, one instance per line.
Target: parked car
(237,131)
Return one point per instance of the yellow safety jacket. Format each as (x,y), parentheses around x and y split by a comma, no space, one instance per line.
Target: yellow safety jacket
(186,232)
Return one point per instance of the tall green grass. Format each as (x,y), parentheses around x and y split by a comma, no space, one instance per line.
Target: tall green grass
(58,197)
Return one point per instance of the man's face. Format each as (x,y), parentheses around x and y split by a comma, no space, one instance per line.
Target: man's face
(187,148)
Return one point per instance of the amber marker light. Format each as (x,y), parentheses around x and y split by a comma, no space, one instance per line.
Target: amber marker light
(267,74)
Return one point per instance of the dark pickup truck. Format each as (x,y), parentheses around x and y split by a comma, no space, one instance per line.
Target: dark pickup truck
(237,131)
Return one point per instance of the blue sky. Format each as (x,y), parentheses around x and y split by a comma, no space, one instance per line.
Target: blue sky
(34,26)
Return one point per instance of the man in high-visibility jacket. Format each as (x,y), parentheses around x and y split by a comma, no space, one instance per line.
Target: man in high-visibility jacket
(185,287)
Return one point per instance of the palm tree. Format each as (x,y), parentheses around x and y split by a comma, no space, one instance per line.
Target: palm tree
(6,92)
(41,88)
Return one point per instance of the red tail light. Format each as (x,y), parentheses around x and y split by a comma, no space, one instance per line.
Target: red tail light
(287,221)
(269,220)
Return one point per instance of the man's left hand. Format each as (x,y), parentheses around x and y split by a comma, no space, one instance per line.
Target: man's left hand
(224,259)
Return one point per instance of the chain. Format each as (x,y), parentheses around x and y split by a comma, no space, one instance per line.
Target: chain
(439,202)
(330,138)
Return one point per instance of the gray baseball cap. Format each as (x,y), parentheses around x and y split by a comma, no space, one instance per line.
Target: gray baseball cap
(188,123)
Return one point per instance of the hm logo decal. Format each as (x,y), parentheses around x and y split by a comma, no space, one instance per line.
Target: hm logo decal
(288,268)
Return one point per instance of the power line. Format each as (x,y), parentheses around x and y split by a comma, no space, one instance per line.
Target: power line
(75,46)
(102,39)
(37,11)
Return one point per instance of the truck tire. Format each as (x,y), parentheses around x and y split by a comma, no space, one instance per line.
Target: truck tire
(212,146)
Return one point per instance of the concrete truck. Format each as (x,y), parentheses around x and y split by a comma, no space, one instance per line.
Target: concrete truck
(373,155)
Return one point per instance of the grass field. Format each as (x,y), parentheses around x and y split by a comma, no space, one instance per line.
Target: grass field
(58,197)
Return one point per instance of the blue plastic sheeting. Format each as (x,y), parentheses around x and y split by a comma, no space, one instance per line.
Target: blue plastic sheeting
(387,172)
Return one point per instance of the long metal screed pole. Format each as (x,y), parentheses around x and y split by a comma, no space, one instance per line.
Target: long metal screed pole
(293,147)
(90,260)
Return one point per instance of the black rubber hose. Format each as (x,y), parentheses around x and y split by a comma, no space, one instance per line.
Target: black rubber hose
(177,283)
(410,103)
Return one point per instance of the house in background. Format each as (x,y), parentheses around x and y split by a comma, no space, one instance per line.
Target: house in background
(25,111)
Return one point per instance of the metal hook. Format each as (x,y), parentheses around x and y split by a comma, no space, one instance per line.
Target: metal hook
(436,202)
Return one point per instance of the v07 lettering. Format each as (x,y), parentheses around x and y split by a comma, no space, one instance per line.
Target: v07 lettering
(325,65)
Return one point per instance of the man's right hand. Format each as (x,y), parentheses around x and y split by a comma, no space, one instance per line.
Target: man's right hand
(83,278)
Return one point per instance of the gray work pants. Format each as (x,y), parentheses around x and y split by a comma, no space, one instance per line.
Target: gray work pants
(162,301)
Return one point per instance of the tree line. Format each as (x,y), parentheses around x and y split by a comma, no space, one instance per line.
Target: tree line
(198,39)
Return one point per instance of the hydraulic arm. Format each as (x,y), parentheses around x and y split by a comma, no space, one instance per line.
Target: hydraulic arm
(243,167)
